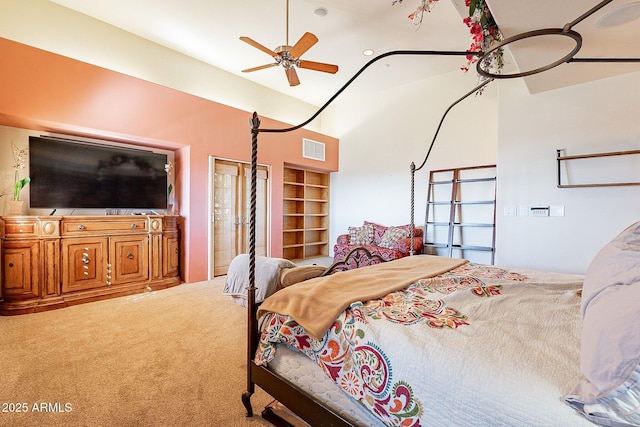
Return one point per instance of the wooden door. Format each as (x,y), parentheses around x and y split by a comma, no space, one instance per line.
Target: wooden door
(261,209)
(129,259)
(83,263)
(231,189)
(171,255)
(20,270)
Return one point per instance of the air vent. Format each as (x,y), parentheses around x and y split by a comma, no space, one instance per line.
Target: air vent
(313,149)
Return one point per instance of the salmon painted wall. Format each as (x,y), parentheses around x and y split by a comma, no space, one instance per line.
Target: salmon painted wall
(48,92)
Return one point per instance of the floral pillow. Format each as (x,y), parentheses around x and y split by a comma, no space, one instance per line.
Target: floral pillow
(391,237)
(361,235)
(378,231)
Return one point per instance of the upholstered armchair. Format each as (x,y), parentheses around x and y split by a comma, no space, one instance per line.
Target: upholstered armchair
(388,242)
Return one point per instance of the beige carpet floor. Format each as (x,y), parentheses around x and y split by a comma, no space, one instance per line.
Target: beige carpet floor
(174,357)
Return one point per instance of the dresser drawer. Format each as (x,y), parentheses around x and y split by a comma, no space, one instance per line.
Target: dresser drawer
(91,225)
(23,227)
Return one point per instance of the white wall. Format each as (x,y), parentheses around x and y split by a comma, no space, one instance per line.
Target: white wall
(381,136)
(595,117)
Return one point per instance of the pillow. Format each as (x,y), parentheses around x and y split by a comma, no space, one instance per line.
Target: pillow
(294,275)
(361,235)
(391,237)
(378,231)
(609,393)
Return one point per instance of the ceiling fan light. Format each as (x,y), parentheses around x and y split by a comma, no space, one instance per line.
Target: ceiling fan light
(619,16)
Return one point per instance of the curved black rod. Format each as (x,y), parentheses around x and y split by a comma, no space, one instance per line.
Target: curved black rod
(364,67)
(413,166)
(565,31)
(252,326)
(463,97)
(621,60)
(585,15)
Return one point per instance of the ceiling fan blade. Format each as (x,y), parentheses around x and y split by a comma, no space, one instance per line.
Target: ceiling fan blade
(261,67)
(258,46)
(304,44)
(292,76)
(318,66)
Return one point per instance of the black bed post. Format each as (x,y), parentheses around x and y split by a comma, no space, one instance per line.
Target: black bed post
(413,180)
(252,324)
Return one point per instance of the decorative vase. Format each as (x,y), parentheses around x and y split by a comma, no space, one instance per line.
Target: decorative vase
(15,207)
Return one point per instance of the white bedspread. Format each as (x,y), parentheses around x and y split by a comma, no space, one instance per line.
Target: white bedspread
(478,346)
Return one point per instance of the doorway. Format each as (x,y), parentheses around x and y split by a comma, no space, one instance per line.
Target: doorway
(231,199)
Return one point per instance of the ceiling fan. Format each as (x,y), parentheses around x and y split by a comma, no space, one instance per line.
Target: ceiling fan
(289,56)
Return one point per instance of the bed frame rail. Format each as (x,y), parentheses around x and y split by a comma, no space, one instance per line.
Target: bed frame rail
(303,405)
(300,403)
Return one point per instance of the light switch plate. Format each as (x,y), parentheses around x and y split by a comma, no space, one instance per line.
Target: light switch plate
(511,210)
(539,211)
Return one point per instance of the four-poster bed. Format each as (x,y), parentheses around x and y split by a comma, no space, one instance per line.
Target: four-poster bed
(477,345)
(282,390)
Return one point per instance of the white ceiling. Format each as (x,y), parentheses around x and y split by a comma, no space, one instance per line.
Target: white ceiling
(209,30)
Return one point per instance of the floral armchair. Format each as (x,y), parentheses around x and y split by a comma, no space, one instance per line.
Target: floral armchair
(388,242)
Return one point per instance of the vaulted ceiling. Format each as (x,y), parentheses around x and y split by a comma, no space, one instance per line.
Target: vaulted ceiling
(210,31)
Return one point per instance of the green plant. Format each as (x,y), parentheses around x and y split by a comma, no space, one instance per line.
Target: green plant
(18,186)
(20,158)
(168,168)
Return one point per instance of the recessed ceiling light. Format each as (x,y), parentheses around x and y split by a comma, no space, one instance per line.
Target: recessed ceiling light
(368,52)
(321,11)
(619,16)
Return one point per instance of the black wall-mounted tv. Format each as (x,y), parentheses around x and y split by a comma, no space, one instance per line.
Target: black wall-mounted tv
(80,175)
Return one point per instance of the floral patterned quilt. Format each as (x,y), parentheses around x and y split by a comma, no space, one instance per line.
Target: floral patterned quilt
(463,339)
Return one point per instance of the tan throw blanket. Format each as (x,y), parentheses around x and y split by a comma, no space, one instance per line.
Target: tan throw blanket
(316,303)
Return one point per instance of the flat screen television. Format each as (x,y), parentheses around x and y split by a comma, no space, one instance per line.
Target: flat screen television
(80,175)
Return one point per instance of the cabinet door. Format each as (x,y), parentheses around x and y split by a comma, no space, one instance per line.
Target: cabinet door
(84,263)
(129,259)
(170,256)
(20,270)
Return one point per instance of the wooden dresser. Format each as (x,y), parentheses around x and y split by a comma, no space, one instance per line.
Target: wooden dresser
(50,262)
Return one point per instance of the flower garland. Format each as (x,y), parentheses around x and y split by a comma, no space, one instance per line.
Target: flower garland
(483,29)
